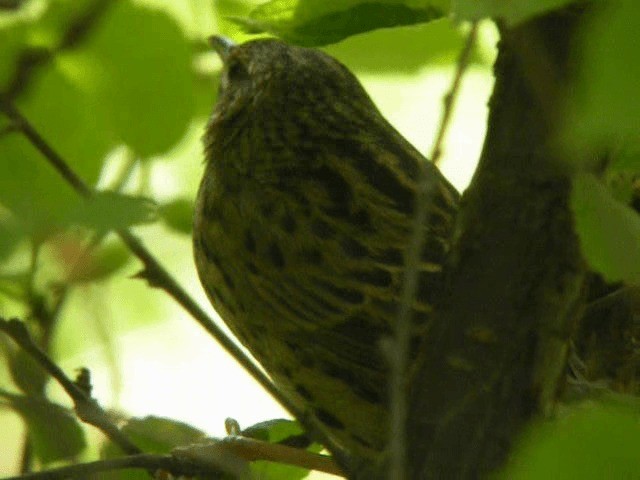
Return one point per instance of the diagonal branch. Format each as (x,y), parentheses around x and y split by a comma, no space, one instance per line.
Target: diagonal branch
(149,462)
(34,58)
(154,272)
(86,407)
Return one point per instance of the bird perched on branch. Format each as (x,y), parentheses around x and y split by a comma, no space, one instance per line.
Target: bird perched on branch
(302,223)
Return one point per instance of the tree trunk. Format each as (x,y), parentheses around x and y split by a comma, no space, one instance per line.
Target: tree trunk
(496,356)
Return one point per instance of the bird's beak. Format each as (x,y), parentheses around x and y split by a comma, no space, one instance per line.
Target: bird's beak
(222,45)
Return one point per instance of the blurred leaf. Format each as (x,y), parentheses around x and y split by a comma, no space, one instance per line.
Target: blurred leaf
(621,185)
(157,435)
(609,231)
(423,44)
(588,442)
(112,211)
(100,264)
(228,10)
(151,435)
(10,235)
(178,215)
(512,12)
(111,87)
(604,106)
(58,100)
(318,22)
(13,37)
(26,373)
(55,433)
(627,159)
(52,24)
(32,191)
(145,83)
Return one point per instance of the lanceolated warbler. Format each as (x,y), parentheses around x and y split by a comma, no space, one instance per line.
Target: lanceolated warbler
(302,223)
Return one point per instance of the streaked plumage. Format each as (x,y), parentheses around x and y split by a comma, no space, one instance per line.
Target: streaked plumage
(302,220)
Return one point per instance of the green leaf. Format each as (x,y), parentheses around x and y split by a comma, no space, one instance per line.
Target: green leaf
(609,231)
(10,235)
(178,215)
(32,191)
(112,211)
(621,185)
(591,441)
(274,431)
(112,87)
(283,431)
(55,434)
(157,435)
(627,159)
(318,22)
(26,373)
(101,264)
(512,12)
(151,435)
(13,40)
(57,98)
(145,87)
(436,42)
(604,106)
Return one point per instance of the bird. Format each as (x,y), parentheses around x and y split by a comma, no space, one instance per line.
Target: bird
(301,229)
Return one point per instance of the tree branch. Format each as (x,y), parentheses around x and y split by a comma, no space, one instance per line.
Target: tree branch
(86,407)
(496,355)
(35,57)
(158,276)
(142,461)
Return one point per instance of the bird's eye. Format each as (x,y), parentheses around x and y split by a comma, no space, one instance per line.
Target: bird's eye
(236,71)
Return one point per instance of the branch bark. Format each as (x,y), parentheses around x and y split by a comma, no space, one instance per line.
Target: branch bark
(496,356)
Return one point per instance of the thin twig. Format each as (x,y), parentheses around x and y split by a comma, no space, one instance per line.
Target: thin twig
(86,407)
(252,450)
(212,458)
(451,96)
(400,348)
(35,57)
(153,272)
(142,461)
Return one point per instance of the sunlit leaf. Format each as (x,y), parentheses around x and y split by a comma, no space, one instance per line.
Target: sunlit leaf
(54,432)
(151,435)
(13,39)
(26,373)
(112,211)
(588,442)
(10,235)
(100,263)
(283,431)
(178,215)
(145,84)
(604,106)
(512,12)
(627,159)
(378,51)
(159,435)
(609,231)
(318,22)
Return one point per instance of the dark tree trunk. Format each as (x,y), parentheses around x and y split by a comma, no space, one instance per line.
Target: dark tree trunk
(496,357)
